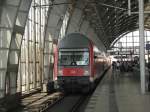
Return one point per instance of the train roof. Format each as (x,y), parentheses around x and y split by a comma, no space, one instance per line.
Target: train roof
(74,40)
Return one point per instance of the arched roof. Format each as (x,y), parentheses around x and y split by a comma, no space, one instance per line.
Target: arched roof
(100,20)
(110,18)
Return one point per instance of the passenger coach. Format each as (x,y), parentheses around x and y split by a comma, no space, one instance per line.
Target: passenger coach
(76,66)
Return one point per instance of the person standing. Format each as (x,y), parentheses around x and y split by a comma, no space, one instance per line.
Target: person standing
(114,65)
(148,65)
(118,65)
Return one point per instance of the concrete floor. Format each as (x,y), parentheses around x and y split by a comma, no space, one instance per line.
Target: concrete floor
(119,92)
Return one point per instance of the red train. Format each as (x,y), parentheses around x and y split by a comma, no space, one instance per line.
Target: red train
(76,65)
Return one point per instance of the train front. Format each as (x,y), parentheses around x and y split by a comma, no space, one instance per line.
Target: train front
(74,70)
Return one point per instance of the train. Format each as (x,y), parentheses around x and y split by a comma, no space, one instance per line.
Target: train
(76,64)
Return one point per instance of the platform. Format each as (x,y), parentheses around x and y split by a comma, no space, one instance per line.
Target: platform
(119,92)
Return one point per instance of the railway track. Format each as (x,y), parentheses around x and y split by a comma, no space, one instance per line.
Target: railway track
(55,102)
(39,102)
(70,103)
(78,104)
(74,102)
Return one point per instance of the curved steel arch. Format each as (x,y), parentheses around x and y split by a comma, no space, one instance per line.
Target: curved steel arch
(79,23)
(52,28)
(13,32)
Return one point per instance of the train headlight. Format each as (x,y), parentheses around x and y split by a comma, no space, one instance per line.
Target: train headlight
(91,79)
(60,72)
(86,72)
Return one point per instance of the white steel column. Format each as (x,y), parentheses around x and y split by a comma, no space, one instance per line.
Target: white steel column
(142,45)
(129,7)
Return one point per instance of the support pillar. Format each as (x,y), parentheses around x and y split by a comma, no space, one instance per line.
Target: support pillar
(142,45)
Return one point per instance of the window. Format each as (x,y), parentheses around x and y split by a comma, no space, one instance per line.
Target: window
(130,41)
(73,58)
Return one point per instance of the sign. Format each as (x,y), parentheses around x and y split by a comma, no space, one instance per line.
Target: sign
(147,46)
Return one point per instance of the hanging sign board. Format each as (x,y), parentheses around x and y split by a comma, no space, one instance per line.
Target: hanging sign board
(147,46)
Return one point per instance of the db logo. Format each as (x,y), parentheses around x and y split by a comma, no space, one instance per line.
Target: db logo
(72,71)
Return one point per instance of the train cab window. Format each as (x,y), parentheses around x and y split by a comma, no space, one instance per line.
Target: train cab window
(73,58)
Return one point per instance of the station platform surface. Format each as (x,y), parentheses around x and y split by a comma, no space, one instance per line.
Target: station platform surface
(119,92)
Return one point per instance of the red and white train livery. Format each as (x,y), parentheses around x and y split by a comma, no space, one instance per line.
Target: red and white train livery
(75,64)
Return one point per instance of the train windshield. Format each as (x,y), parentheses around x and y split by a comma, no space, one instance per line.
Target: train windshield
(73,58)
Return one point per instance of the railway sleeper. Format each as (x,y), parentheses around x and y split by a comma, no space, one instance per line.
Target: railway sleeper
(43,104)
